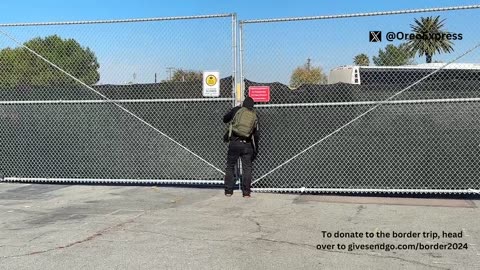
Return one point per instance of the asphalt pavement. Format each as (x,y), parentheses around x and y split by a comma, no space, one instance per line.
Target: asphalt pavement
(142,227)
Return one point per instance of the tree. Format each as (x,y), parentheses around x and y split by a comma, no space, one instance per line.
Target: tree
(180,75)
(394,56)
(307,74)
(361,60)
(434,41)
(8,66)
(19,66)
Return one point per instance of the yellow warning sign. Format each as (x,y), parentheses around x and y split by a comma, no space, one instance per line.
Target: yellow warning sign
(211,84)
(211,80)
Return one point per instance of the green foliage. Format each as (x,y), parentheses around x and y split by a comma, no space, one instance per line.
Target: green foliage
(307,74)
(21,67)
(394,56)
(181,75)
(430,26)
(361,60)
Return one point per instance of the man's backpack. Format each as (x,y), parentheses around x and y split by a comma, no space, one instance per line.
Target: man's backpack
(243,123)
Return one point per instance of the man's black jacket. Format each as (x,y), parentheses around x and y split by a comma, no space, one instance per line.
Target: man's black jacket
(255,134)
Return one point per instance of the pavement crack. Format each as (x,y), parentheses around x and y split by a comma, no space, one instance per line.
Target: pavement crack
(182,237)
(350,253)
(38,236)
(285,242)
(357,213)
(87,239)
(259,226)
(409,261)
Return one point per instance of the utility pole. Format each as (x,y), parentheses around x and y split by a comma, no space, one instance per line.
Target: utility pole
(155,77)
(169,71)
(308,63)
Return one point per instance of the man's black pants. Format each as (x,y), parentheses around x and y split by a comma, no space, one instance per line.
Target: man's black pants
(244,150)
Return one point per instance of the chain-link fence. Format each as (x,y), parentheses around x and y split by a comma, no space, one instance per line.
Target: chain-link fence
(115,101)
(354,106)
(376,102)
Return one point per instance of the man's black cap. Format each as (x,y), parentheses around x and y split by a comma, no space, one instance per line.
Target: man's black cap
(248,103)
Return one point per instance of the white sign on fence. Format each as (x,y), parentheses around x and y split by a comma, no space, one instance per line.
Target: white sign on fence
(211,84)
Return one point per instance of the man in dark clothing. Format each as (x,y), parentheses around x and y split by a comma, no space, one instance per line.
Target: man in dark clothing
(245,147)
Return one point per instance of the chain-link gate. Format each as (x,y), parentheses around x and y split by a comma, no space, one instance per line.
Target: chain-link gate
(355,108)
(115,101)
(91,101)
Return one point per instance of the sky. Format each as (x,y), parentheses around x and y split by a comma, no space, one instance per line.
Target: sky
(135,52)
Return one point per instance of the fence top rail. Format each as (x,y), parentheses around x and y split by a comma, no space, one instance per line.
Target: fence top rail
(89,101)
(352,15)
(120,20)
(369,102)
(279,105)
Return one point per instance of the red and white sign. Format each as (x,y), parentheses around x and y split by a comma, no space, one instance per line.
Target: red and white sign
(259,93)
